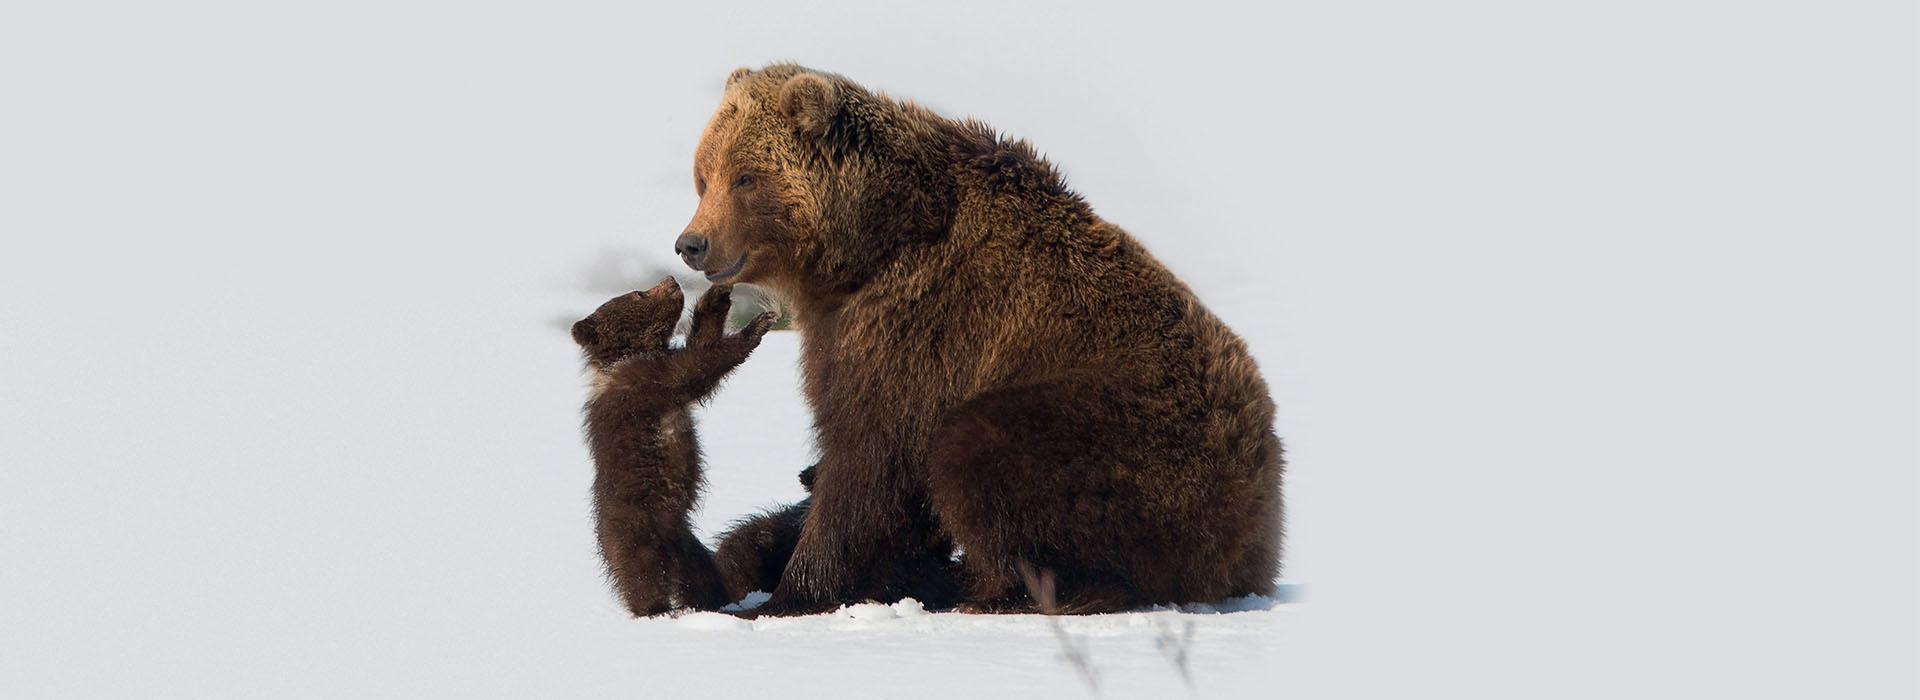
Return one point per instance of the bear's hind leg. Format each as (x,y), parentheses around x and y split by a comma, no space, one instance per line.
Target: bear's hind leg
(1111,489)
(1017,477)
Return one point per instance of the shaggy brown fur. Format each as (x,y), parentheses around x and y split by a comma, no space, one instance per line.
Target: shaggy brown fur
(991,365)
(646,457)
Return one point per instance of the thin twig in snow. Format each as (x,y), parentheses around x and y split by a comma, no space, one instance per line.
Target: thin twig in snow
(1176,647)
(1040,585)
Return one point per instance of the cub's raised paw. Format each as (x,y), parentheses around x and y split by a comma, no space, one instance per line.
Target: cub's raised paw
(710,315)
(760,325)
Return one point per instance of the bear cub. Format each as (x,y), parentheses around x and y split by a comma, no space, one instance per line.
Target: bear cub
(647,474)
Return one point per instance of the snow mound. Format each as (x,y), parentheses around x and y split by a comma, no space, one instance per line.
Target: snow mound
(712,621)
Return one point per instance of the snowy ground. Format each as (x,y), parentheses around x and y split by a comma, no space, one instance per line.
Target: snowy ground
(1591,327)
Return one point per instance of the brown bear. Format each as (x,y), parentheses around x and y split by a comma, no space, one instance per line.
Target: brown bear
(647,474)
(998,376)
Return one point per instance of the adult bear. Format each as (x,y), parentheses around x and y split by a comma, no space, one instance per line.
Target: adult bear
(995,372)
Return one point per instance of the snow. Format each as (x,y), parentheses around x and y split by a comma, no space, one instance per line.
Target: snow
(1591,328)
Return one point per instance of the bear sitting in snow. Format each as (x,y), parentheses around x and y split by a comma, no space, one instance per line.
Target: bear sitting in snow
(646,458)
(998,376)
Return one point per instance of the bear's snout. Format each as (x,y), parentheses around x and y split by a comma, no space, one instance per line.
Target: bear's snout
(692,248)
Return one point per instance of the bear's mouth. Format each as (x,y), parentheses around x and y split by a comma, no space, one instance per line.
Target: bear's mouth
(728,271)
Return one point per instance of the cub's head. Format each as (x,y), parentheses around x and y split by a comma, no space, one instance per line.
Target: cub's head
(631,324)
(807,181)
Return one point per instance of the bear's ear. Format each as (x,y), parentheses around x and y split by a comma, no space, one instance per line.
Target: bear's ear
(811,101)
(737,74)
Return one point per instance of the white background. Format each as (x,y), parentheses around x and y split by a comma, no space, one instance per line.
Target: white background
(1592,326)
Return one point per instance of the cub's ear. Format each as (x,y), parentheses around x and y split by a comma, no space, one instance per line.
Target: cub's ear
(811,101)
(737,74)
(583,332)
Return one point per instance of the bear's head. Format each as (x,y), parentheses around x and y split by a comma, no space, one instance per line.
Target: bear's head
(634,323)
(808,183)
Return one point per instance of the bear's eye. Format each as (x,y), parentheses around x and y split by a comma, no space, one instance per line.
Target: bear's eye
(743,182)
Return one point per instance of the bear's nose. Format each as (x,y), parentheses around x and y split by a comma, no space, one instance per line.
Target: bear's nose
(692,248)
